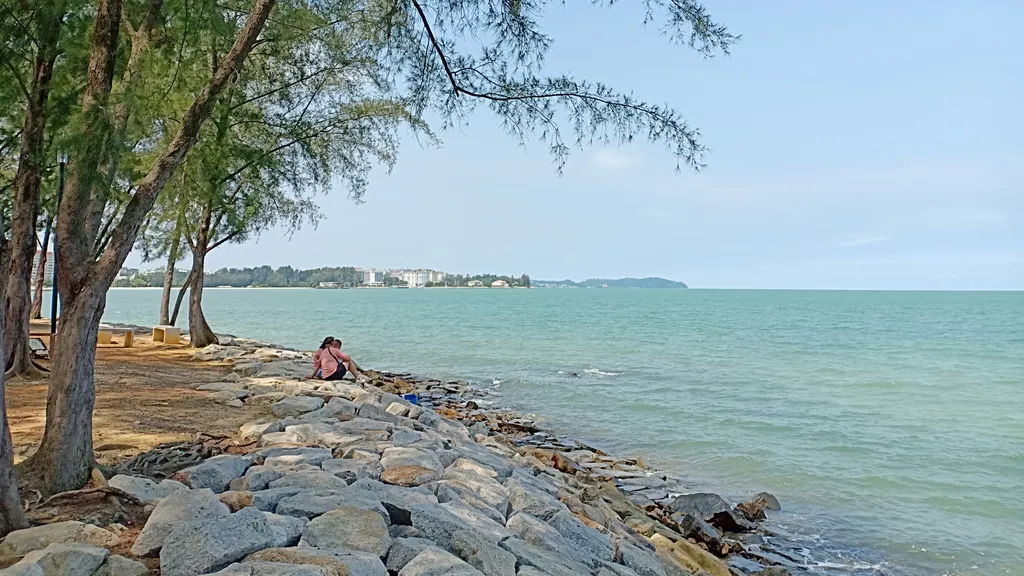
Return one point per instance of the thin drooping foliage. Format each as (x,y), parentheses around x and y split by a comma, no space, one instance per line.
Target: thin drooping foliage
(211,120)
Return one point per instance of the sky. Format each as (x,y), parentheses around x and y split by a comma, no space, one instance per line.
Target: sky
(854,145)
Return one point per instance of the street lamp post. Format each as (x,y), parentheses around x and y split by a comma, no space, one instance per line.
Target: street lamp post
(62,160)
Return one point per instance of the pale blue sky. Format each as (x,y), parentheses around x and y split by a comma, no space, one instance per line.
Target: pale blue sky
(856,144)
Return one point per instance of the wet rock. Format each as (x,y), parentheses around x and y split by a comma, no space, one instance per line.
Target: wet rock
(349,528)
(310,480)
(178,508)
(583,537)
(61,559)
(116,565)
(209,544)
(692,527)
(774,571)
(256,478)
(215,473)
(403,550)
(543,560)
(437,562)
(296,406)
(771,502)
(483,554)
(287,529)
(753,511)
(410,467)
(351,469)
(744,566)
(340,562)
(703,505)
(21,542)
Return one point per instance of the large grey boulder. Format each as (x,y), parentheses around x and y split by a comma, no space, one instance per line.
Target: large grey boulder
(145,489)
(533,531)
(312,479)
(21,542)
(545,561)
(437,562)
(611,569)
(410,467)
(61,559)
(352,469)
(116,565)
(290,457)
(500,464)
(642,562)
(176,509)
(296,406)
(209,544)
(483,554)
(403,550)
(287,529)
(398,501)
(268,500)
(437,523)
(527,499)
(446,493)
(255,429)
(485,488)
(583,537)
(313,503)
(341,562)
(349,528)
(215,473)
(703,505)
(477,520)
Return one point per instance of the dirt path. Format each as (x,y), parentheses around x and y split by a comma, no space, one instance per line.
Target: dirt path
(145,395)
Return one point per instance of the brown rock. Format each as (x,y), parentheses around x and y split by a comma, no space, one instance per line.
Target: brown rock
(235,501)
(753,510)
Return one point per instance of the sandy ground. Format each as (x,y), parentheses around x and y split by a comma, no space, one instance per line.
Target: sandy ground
(145,395)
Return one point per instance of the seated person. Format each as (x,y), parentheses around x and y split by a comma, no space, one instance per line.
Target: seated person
(332,363)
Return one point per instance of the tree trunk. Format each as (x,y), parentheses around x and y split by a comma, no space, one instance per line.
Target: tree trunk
(200,334)
(37,298)
(65,453)
(17,355)
(181,296)
(172,259)
(12,517)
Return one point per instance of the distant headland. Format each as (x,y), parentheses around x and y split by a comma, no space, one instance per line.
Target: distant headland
(610,283)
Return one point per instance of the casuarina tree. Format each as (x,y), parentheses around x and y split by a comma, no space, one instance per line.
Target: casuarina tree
(433,58)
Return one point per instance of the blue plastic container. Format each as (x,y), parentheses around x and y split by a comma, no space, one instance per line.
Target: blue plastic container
(413,398)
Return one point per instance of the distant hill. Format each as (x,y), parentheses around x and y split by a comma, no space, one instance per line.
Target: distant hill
(609,283)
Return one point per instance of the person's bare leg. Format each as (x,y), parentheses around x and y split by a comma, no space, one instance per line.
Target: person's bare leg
(351,366)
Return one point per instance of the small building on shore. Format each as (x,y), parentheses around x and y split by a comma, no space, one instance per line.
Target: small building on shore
(474,283)
(499,284)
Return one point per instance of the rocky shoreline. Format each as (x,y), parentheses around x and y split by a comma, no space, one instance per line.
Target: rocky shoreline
(354,479)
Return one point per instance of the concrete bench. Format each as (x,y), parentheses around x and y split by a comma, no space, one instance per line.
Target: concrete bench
(105,335)
(167,334)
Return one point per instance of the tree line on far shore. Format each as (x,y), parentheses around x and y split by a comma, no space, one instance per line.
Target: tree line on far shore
(183,125)
(288,277)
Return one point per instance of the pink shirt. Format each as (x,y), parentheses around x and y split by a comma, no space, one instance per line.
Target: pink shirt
(327,360)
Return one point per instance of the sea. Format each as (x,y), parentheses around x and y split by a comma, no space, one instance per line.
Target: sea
(889,424)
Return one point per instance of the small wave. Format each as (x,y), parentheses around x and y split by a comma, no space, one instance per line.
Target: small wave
(601,374)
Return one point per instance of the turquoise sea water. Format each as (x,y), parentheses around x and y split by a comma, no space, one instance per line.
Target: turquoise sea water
(889,424)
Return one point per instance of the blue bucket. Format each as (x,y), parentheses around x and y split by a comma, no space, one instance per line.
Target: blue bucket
(412,398)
